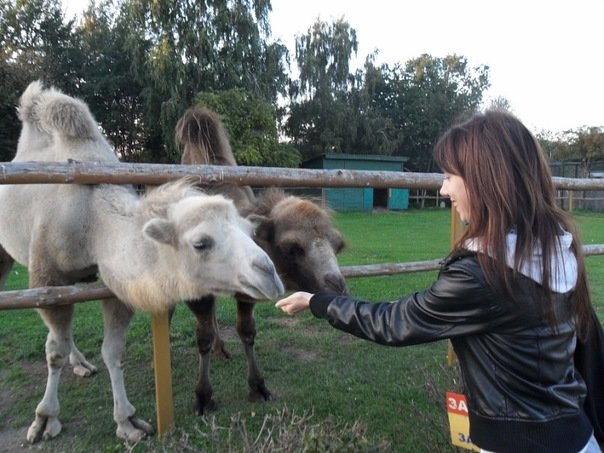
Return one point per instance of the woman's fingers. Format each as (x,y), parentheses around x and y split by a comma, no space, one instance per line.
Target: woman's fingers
(294,303)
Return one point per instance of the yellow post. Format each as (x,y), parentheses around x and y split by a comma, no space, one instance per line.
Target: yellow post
(457,228)
(162,367)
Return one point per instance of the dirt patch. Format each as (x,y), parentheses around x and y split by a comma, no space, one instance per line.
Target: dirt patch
(228,333)
(12,440)
(294,324)
(35,373)
(305,355)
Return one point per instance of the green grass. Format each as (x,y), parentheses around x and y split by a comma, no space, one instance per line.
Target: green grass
(333,392)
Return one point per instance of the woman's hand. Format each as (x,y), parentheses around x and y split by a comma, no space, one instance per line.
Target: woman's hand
(295,303)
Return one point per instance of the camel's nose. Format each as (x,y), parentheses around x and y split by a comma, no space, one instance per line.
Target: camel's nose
(266,266)
(336,283)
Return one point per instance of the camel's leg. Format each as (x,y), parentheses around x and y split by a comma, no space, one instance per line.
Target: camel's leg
(116,317)
(204,310)
(6,264)
(219,349)
(46,424)
(246,328)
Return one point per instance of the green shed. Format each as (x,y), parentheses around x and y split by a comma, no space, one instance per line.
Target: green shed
(364,198)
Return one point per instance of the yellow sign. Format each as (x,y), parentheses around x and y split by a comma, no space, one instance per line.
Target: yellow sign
(459,423)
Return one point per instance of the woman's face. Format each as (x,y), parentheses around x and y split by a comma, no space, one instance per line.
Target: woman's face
(454,187)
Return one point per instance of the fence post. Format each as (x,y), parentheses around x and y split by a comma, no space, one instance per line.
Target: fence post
(162,367)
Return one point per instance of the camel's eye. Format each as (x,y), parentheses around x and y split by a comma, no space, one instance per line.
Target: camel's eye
(338,244)
(203,244)
(293,249)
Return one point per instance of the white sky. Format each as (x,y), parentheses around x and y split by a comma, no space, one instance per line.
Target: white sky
(546,57)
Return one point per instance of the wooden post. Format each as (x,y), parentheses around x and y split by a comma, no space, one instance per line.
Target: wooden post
(162,367)
(457,228)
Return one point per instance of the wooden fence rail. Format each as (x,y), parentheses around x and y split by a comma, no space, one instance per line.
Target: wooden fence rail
(124,173)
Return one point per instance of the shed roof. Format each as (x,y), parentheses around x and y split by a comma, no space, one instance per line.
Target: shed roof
(345,156)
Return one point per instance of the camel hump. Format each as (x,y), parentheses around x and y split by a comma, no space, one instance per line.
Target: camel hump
(204,138)
(56,113)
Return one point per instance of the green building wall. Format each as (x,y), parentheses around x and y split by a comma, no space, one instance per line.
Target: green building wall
(365,198)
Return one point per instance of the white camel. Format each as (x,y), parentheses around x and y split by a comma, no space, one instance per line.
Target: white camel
(174,244)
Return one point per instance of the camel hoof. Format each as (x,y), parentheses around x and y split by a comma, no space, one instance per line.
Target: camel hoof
(43,428)
(84,370)
(203,406)
(142,425)
(260,393)
(221,353)
(81,366)
(134,430)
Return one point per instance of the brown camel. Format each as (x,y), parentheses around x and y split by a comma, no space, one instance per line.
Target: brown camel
(174,244)
(296,233)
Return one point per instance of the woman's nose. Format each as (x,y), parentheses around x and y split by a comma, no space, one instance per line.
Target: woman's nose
(443,191)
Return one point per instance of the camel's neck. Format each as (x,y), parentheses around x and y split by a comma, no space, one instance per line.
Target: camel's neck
(127,260)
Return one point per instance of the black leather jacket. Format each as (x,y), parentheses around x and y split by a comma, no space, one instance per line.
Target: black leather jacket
(523,392)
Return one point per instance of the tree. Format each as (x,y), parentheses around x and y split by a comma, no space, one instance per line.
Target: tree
(585,144)
(10,127)
(252,128)
(433,93)
(501,103)
(179,48)
(383,110)
(35,39)
(320,116)
(35,43)
(323,56)
(106,82)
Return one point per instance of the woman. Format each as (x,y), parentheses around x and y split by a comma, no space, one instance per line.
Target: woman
(512,296)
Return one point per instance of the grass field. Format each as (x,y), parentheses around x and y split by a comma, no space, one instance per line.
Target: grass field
(333,392)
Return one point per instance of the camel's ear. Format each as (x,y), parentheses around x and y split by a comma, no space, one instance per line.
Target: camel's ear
(160,230)
(263,226)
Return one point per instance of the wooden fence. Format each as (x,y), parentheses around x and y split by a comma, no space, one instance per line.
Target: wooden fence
(75,172)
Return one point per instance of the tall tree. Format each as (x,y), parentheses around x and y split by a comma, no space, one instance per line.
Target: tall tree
(35,37)
(434,93)
(181,47)
(585,144)
(323,55)
(35,43)
(373,98)
(320,116)
(107,85)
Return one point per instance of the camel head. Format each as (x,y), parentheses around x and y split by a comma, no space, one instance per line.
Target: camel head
(302,242)
(211,251)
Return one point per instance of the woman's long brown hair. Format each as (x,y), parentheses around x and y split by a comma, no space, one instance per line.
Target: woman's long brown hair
(510,187)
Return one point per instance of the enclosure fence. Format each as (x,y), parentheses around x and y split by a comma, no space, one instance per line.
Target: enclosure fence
(75,172)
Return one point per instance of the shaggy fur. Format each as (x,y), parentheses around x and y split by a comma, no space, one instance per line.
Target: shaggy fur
(296,233)
(176,243)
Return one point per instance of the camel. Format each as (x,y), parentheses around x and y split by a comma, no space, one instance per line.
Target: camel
(175,243)
(295,232)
